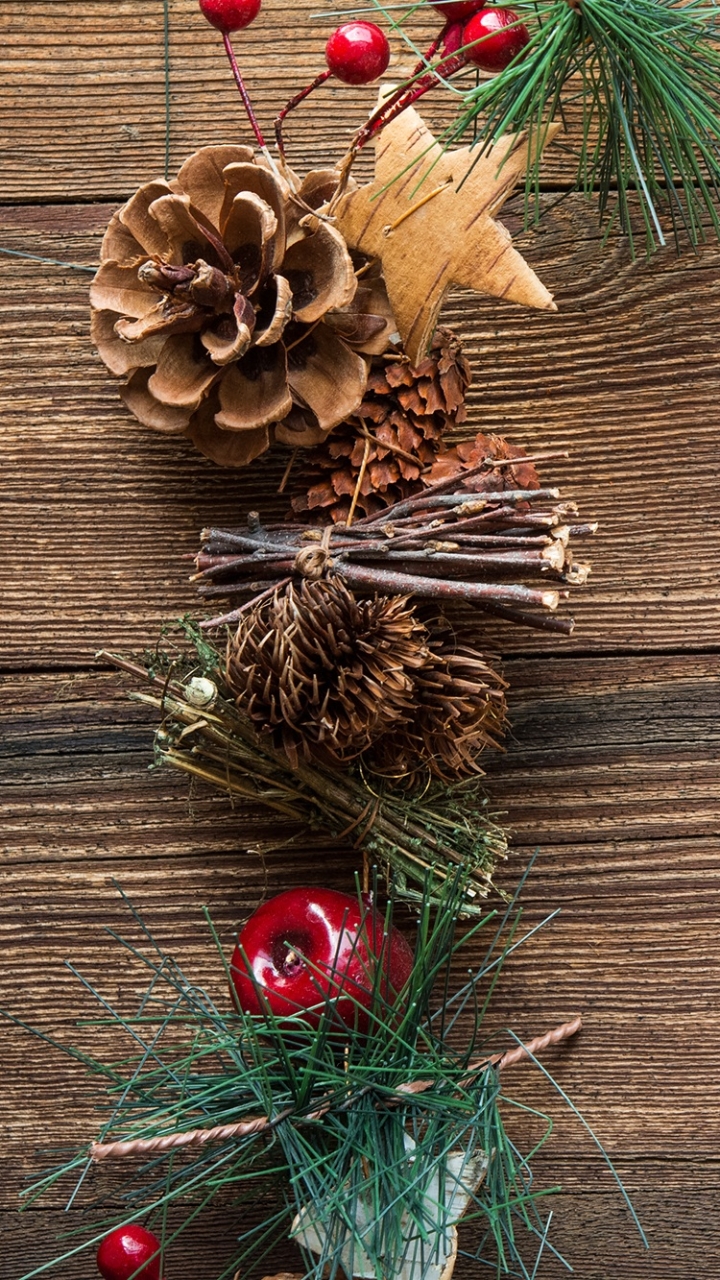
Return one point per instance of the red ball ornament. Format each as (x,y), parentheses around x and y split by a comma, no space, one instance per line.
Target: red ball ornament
(309,944)
(504,42)
(125,1250)
(458,10)
(357,53)
(230,15)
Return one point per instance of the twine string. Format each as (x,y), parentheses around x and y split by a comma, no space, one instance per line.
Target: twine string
(313,562)
(52,262)
(100,1151)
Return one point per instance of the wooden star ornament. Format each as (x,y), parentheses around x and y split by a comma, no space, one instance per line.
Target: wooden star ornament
(433,226)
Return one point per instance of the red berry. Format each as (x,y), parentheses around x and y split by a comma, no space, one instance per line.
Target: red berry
(452,39)
(230,15)
(307,944)
(457,10)
(125,1250)
(503,43)
(357,53)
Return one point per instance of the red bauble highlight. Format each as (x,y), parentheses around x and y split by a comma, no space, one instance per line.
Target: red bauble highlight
(230,15)
(357,53)
(458,10)
(504,42)
(309,944)
(125,1249)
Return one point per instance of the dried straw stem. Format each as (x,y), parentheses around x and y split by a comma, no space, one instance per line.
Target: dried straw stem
(222,747)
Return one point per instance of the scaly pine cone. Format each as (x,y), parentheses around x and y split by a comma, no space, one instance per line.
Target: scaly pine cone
(396,432)
(470,453)
(461,710)
(325,673)
(237,316)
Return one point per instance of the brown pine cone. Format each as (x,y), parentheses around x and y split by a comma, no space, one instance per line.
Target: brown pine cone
(396,433)
(325,673)
(460,710)
(470,453)
(236,315)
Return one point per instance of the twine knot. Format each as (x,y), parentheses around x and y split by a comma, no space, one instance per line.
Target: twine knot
(313,562)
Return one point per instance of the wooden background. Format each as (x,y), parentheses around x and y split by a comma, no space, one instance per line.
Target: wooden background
(611,764)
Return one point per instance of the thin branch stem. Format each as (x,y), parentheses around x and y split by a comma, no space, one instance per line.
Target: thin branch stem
(246,101)
(295,102)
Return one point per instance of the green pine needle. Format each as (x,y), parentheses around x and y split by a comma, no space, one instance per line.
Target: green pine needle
(374,1173)
(645,76)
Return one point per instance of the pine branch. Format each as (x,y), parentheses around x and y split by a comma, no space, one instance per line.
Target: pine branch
(381,1140)
(645,75)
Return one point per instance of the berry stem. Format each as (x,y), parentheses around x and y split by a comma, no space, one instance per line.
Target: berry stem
(295,102)
(397,103)
(246,101)
(399,93)
(385,111)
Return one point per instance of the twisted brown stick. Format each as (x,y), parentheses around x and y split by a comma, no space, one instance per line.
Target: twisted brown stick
(536,1046)
(220,1133)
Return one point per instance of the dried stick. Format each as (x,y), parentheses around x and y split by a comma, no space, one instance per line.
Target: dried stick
(448,542)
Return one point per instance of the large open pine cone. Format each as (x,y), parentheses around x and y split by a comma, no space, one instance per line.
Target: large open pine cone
(235,311)
(324,672)
(394,436)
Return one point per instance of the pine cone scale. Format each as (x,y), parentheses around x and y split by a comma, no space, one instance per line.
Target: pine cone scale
(395,433)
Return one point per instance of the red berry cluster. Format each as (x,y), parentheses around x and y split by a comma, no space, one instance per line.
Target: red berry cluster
(501,34)
(358,53)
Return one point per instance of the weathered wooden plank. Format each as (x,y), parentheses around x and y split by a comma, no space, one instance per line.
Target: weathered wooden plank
(98,512)
(635,947)
(82,92)
(640,1072)
(599,749)
(590,1227)
(610,767)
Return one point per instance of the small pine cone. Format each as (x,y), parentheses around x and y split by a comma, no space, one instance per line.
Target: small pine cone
(396,432)
(470,453)
(325,673)
(460,710)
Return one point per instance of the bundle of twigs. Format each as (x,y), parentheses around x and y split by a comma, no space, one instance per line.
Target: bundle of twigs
(446,543)
(203,732)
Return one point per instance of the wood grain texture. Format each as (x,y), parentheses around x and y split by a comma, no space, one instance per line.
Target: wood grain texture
(625,376)
(634,946)
(82,92)
(611,764)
